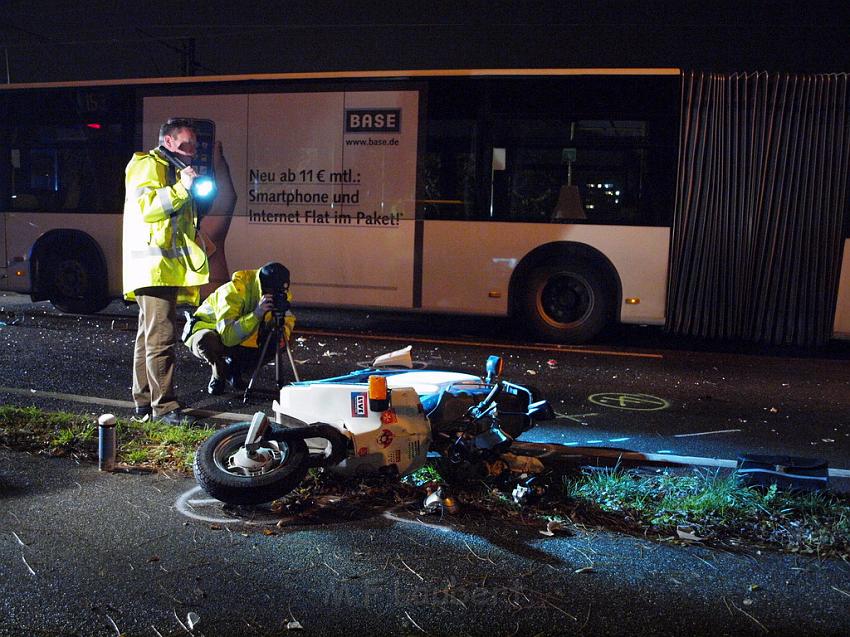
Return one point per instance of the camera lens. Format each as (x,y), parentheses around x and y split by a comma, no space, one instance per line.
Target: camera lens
(279,302)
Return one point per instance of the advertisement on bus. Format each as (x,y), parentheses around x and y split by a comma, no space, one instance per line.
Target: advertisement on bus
(315,176)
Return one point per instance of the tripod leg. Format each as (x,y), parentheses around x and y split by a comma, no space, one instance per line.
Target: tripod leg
(258,367)
(278,376)
(292,362)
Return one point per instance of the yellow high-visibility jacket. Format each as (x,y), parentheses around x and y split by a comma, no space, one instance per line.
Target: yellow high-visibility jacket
(229,310)
(160,246)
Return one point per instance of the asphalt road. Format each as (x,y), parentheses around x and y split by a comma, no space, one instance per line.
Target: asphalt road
(87,553)
(626,393)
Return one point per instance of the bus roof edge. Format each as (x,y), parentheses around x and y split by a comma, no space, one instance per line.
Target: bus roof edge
(322,75)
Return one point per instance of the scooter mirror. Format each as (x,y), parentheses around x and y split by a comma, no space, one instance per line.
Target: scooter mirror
(493,368)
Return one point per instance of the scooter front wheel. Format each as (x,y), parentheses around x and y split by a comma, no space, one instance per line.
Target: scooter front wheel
(226,471)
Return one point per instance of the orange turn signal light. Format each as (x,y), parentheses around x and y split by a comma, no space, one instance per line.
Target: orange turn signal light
(377,387)
(378,394)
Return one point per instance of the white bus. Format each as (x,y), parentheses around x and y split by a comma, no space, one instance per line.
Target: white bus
(566,198)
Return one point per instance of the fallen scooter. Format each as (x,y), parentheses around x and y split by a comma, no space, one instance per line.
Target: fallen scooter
(384,419)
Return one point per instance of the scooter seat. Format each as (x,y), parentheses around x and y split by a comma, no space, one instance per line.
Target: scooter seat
(447,406)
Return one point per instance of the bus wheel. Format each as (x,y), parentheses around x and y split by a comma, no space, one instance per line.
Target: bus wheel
(567,303)
(76,284)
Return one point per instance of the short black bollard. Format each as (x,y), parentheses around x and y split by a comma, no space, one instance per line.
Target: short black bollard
(106,442)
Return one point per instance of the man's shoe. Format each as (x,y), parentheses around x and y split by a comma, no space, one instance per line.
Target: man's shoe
(216,386)
(235,381)
(232,374)
(141,413)
(177,417)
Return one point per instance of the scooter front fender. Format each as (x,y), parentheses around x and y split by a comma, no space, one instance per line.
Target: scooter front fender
(334,453)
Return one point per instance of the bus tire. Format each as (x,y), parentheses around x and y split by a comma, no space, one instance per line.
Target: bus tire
(77,283)
(569,302)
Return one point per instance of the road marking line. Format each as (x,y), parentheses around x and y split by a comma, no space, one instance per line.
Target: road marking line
(602,452)
(562,349)
(126,404)
(574,417)
(592,451)
(707,433)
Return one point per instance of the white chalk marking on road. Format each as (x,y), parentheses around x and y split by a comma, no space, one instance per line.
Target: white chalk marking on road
(707,433)
(186,503)
(127,404)
(391,516)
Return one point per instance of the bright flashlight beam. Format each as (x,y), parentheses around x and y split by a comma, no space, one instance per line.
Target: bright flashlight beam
(203,187)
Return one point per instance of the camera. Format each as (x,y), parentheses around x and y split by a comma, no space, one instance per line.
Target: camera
(274,280)
(280,304)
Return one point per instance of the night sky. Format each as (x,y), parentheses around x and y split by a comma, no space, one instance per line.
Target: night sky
(55,41)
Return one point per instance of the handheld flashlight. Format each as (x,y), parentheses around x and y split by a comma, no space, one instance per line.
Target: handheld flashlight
(203,186)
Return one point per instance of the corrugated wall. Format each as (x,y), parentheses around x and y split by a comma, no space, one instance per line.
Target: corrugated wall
(762,187)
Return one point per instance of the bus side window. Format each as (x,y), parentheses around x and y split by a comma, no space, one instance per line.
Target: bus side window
(558,170)
(44,169)
(569,204)
(35,179)
(448,170)
(67,178)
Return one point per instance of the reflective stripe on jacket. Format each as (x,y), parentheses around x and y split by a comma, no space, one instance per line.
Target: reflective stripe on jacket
(229,310)
(160,247)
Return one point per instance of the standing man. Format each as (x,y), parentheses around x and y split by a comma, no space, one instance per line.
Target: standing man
(163,264)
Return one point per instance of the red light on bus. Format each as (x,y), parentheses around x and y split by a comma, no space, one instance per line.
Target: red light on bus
(95,125)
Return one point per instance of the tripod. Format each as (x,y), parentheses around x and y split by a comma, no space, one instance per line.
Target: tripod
(275,335)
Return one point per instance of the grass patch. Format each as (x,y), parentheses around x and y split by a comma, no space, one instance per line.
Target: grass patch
(149,444)
(717,507)
(709,504)
(423,475)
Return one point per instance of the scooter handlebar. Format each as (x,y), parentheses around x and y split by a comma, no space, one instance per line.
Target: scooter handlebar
(483,408)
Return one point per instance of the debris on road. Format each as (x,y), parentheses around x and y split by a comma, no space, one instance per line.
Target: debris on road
(522,464)
(554,527)
(687,533)
(527,490)
(437,502)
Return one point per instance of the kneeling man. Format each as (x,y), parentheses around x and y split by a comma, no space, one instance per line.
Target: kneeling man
(229,328)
